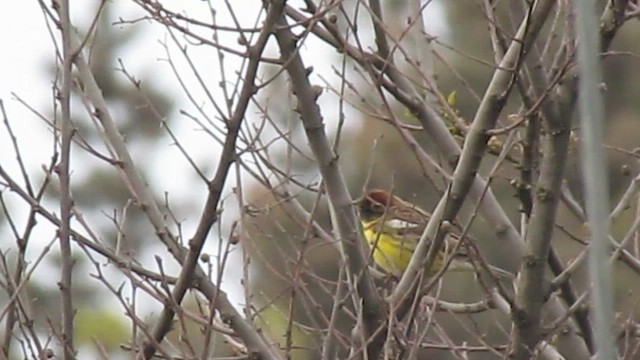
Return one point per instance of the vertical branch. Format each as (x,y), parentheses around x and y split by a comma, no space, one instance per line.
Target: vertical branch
(529,298)
(531,283)
(595,169)
(65,190)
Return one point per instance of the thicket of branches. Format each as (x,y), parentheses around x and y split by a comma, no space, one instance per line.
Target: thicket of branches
(479,125)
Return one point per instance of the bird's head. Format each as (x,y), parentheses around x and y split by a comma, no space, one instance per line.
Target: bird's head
(374,203)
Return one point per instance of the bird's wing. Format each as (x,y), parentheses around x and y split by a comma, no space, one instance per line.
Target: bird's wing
(406,224)
(410,214)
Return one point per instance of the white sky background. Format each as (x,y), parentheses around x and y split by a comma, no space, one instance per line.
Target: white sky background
(27,49)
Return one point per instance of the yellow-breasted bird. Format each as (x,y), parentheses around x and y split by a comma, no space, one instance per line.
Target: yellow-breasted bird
(392,228)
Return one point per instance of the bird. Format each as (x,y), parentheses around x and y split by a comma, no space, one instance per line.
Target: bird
(392,228)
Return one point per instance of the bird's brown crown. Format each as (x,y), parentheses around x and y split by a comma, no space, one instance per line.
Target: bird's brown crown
(374,203)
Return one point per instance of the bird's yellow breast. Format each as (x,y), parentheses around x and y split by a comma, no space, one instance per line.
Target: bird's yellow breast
(391,253)
(388,253)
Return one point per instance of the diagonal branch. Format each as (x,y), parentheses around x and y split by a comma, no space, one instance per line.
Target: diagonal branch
(475,144)
(346,224)
(191,274)
(215,186)
(431,122)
